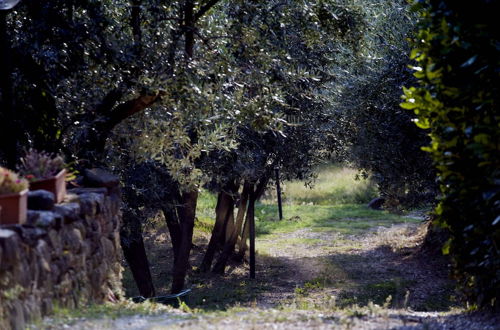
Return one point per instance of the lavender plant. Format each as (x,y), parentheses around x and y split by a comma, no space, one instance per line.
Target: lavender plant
(37,165)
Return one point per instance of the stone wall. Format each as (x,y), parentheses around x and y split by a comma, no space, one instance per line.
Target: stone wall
(66,257)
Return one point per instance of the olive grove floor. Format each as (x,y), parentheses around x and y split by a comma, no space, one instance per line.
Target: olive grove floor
(373,275)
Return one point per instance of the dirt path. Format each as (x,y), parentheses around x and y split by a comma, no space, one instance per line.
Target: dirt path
(384,263)
(323,280)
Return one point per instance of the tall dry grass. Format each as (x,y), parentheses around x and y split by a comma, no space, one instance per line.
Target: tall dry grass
(334,185)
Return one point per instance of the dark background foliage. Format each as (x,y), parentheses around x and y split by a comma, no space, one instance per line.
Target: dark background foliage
(370,129)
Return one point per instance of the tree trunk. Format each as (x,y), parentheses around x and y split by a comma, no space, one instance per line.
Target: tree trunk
(174,229)
(224,206)
(187,213)
(242,248)
(228,250)
(242,208)
(135,253)
(228,227)
(257,193)
(189,26)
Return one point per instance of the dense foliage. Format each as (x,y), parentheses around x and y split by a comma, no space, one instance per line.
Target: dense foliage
(370,129)
(217,93)
(458,55)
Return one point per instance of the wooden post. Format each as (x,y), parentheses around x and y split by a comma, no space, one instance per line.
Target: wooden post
(278,191)
(251,224)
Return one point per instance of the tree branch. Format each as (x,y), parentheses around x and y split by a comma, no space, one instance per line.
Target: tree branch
(109,101)
(189,28)
(131,107)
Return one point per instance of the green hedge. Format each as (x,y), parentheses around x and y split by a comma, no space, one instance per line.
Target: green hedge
(457,54)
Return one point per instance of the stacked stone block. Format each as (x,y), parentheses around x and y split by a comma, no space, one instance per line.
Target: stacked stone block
(66,257)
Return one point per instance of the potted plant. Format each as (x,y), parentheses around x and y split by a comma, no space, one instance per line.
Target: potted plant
(45,171)
(13,197)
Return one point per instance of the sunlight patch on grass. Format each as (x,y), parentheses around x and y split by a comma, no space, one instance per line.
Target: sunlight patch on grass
(347,219)
(334,185)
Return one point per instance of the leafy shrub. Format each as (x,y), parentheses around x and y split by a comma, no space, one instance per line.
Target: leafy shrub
(458,55)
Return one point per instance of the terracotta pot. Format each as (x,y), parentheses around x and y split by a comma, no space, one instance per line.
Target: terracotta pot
(14,208)
(55,184)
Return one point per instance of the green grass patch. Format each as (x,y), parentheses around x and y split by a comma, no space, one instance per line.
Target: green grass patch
(350,219)
(334,185)
(204,224)
(205,211)
(206,203)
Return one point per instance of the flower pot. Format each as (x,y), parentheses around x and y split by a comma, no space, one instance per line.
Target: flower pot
(14,208)
(55,184)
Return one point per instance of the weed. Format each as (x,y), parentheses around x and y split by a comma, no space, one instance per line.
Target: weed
(390,293)
(355,311)
(300,291)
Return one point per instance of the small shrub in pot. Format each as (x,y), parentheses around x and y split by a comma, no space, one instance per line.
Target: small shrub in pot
(13,197)
(45,171)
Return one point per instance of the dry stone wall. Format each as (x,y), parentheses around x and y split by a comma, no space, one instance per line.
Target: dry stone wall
(66,257)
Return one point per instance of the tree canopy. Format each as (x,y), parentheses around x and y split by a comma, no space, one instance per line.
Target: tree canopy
(219,94)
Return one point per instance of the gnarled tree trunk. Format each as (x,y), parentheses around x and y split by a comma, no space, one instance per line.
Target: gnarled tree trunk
(255,193)
(228,250)
(225,206)
(187,213)
(243,247)
(174,229)
(135,253)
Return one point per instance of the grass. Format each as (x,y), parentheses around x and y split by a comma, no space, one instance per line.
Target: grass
(334,185)
(335,194)
(205,211)
(335,203)
(346,219)
(215,294)
(391,292)
(65,317)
